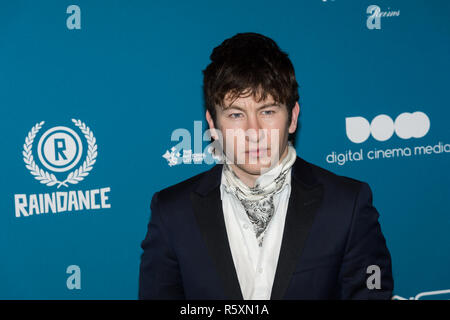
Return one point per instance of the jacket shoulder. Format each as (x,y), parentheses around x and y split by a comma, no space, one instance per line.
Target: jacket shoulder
(334,181)
(181,190)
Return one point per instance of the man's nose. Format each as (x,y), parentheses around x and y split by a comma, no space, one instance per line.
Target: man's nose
(254,130)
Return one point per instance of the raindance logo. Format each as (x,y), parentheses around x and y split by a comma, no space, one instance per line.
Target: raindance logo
(59,150)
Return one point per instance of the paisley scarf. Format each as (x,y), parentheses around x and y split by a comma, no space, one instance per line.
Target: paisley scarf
(258,200)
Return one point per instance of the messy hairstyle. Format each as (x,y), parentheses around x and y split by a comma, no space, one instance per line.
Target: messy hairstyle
(249,64)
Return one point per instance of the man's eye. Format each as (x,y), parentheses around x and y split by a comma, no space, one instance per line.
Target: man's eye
(235,115)
(268,112)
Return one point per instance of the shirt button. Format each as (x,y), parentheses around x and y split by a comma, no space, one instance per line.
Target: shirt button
(260,270)
(245,226)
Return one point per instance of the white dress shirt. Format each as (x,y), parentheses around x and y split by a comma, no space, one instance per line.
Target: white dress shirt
(255,266)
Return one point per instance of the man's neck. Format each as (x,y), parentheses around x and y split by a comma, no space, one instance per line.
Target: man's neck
(250,179)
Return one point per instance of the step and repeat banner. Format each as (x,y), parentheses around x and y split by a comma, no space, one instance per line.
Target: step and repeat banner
(101,106)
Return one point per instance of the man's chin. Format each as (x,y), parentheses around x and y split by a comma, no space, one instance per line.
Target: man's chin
(254,168)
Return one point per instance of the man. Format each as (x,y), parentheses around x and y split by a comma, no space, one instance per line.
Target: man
(264,224)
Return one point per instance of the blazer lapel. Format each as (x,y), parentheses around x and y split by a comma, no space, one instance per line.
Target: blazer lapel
(209,214)
(305,199)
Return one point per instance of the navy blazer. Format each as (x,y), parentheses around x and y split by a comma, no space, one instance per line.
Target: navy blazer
(331,237)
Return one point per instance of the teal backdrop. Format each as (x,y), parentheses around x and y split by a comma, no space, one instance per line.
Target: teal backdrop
(130,72)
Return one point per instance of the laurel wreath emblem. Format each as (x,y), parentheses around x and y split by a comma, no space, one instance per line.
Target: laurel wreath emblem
(73,177)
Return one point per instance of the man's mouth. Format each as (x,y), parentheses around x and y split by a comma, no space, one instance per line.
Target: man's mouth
(256,152)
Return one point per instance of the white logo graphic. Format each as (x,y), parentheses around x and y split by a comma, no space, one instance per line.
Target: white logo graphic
(375,15)
(59,150)
(74,20)
(406,125)
(374,280)
(74,280)
(373,21)
(198,154)
(423,294)
(174,157)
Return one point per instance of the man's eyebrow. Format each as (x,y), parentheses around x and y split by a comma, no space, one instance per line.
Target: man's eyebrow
(270,104)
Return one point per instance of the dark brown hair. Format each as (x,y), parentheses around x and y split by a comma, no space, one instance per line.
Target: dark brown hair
(249,64)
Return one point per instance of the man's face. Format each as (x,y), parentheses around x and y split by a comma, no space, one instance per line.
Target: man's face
(255,134)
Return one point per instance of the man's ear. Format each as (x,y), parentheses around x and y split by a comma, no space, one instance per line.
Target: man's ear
(211,125)
(294,119)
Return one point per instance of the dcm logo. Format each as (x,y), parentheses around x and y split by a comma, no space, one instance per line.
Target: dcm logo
(406,125)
